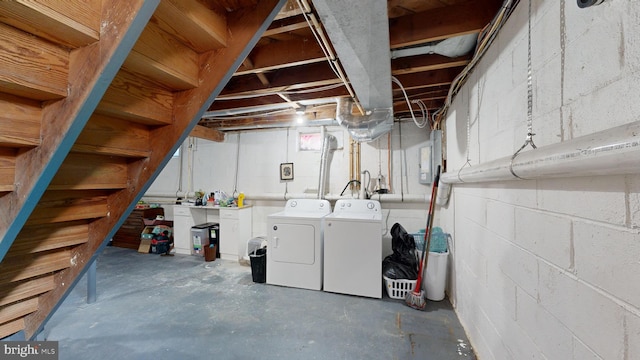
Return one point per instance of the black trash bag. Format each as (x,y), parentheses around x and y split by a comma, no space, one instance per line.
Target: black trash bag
(403,263)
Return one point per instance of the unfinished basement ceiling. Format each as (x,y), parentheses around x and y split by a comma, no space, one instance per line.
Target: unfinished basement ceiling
(288,69)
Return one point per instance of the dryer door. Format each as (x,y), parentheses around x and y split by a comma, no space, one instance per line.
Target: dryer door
(292,243)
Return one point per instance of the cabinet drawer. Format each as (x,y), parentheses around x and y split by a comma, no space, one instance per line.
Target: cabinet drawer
(229,214)
(181,211)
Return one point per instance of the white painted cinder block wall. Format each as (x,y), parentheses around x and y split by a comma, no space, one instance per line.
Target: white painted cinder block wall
(549,268)
(260,155)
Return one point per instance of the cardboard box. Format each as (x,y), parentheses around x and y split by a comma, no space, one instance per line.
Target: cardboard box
(145,246)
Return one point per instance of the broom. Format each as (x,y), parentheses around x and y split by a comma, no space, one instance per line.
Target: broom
(416,298)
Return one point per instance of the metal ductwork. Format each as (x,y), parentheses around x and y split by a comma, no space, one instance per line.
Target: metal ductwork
(359,32)
(451,47)
(328,144)
(366,127)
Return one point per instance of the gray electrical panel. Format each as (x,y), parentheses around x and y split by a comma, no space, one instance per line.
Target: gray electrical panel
(430,157)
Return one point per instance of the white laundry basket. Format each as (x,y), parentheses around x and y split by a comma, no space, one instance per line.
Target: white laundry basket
(436,277)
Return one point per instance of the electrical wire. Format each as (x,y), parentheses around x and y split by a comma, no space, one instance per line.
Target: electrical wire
(286,92)
(485,39)
(349,183)
(328,53)
(249,115)
(421,105)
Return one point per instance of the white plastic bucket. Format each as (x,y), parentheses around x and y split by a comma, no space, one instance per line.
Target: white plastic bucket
(436,277)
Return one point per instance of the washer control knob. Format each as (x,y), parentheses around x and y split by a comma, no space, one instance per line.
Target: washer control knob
(294,203)
(370,205)
(348,204)
(321,204)
(342,205)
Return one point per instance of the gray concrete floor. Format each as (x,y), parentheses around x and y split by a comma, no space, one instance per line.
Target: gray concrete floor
(180,307)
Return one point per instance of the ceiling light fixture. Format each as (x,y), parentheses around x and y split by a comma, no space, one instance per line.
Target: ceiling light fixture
(300,110)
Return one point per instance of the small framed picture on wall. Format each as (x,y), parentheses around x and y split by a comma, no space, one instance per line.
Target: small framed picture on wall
(286,171)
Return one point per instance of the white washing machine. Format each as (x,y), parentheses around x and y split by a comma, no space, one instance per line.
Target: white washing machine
(294,249)
(353,248)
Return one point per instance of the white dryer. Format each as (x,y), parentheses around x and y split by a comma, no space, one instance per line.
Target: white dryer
(294,249)
(353,248)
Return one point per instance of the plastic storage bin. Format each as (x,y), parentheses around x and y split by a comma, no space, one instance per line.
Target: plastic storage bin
(398,288)
(210,252)
(202,236)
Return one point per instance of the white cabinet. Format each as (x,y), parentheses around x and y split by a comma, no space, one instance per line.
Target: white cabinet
(235,232)
(235,228)
(184,217)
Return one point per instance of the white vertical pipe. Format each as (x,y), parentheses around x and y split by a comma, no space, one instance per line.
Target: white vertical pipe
(610,152)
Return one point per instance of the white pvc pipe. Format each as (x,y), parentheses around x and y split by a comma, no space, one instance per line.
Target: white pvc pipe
(610,152)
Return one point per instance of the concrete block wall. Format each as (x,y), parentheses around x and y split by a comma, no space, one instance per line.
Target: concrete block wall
(212,166)
(548,268)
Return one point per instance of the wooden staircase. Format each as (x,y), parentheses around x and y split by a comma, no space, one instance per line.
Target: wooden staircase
(95,97)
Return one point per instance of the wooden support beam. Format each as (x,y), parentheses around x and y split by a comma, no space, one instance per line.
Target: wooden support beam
(241,103)
(428,79)
(111,136)
(31,67)
(261,76)
(284,54)
(193,24)
(300,77)
(282,27)
(206,133)
(132,98)
(441,23)
(159,56)
(412,65)
(68,23)
(289,9)
(274,121)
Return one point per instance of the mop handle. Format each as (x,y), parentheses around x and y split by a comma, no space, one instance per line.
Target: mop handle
(434,193)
